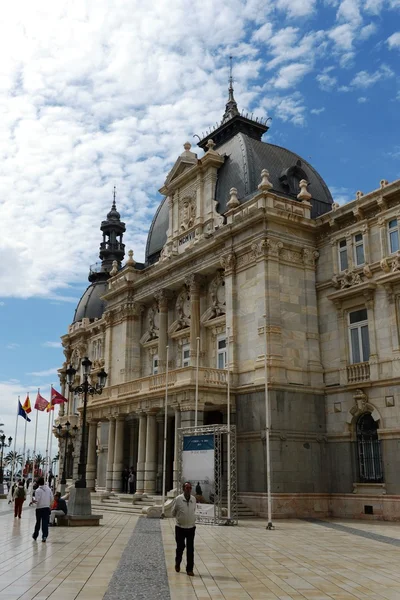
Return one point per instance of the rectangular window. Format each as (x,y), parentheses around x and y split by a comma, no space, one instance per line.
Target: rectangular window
(359,249)
(155,364)
(221,352)
(343,262)
(186,355)
(359,338)
(393,235)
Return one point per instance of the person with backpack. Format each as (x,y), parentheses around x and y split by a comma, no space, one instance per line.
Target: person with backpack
(19,497)
(43,500)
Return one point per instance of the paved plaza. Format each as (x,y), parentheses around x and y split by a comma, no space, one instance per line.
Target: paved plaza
(130,557)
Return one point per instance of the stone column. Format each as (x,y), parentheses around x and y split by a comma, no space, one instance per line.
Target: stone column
(367,250)
(133,441)
(373,347)
(110,456)
(141,453)
(188,415)
(382,222)
(176,483)
(194,282)
(150,466)
(162,297)
(313,372)
(91,456)
(343,347)
(160,450)
(118,454)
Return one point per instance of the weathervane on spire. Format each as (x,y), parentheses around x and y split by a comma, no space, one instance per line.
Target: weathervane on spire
(114,206)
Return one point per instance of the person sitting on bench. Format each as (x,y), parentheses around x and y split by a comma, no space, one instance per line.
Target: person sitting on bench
(60,509)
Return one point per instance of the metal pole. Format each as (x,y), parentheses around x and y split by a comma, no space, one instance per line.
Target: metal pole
(15,446)
(228,409)
(63,477)
(34,443)
(165,438)
(267,428)
(82,455)
(24,452)
(47,447)
(51,437)
(197,381)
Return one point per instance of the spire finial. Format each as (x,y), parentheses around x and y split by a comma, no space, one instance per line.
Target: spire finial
(231,99)
(114,206)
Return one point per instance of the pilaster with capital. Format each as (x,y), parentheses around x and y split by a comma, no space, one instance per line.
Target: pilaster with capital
(343,349)
(194,283)
(162,297)
(133,347)
(110,455)
(383,236)
(141,455)
(160,450)
(313,359)
(91,456)
(61,410)
(118,454)
(228,262)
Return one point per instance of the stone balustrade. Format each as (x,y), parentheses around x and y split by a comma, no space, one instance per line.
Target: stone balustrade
(358,372)
(177,378)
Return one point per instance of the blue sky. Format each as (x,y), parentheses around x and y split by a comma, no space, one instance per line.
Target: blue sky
(97,94)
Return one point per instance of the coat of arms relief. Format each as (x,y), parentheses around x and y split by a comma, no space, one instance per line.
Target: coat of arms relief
(187,213)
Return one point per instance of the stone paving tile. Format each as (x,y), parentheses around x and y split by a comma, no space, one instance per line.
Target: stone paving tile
(297,561)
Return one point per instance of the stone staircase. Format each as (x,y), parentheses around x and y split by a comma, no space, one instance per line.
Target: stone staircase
(122,503)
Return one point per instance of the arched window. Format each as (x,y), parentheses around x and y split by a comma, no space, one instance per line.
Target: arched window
(369,450)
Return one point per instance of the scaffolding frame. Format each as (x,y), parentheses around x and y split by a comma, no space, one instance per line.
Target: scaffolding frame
(219,432)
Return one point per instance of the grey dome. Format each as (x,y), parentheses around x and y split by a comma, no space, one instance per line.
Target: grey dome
(245,157)
(91,306)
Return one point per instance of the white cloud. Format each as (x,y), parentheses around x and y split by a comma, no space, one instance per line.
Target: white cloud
(367,31)
(343,36)
(394,40)
(12,346)
(326,82)
(341,195)
(297,8)
(373,6)
(290,75)
(349,11)
(317,111)
(363,79)
(362,100)
(44,373)
(52,345)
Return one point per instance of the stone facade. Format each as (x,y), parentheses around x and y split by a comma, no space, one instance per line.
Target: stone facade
(264,263)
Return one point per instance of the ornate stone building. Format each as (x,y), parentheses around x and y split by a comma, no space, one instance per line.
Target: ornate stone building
(248,237)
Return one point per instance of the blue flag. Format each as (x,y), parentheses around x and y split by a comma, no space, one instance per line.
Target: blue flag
(22,413)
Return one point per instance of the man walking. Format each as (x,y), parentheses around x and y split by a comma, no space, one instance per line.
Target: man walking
(60,509)
(184,512)
(43,500)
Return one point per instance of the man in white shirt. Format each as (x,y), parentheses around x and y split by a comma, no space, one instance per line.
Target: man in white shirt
(43,500)
(184,512)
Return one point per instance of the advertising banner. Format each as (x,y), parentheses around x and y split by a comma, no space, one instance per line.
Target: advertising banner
(198,466)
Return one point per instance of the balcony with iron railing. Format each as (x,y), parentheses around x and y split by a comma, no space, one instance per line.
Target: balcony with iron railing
(178,379)
(358,372)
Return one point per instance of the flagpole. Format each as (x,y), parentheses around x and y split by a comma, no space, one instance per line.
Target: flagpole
(228,422)
(34,443)
(47,446)
(197,381)
(24,452)
(51,427)
(15,445)
(165,438)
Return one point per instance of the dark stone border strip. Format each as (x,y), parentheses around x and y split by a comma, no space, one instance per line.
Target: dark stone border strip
(141,572)
(352,530)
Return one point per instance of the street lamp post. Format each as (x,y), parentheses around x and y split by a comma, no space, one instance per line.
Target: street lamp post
(3,444)
(65,431)
(84,389)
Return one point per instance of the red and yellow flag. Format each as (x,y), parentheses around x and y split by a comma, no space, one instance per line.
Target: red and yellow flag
(49,407)
(41,403)
(27,405)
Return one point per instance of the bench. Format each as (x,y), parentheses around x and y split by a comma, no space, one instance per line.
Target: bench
(79,520)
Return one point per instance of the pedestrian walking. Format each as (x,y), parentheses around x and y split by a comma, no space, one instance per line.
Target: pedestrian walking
(125,477)
(19,497)
(43,500)
(132,481)
(60,508)
(184,512)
